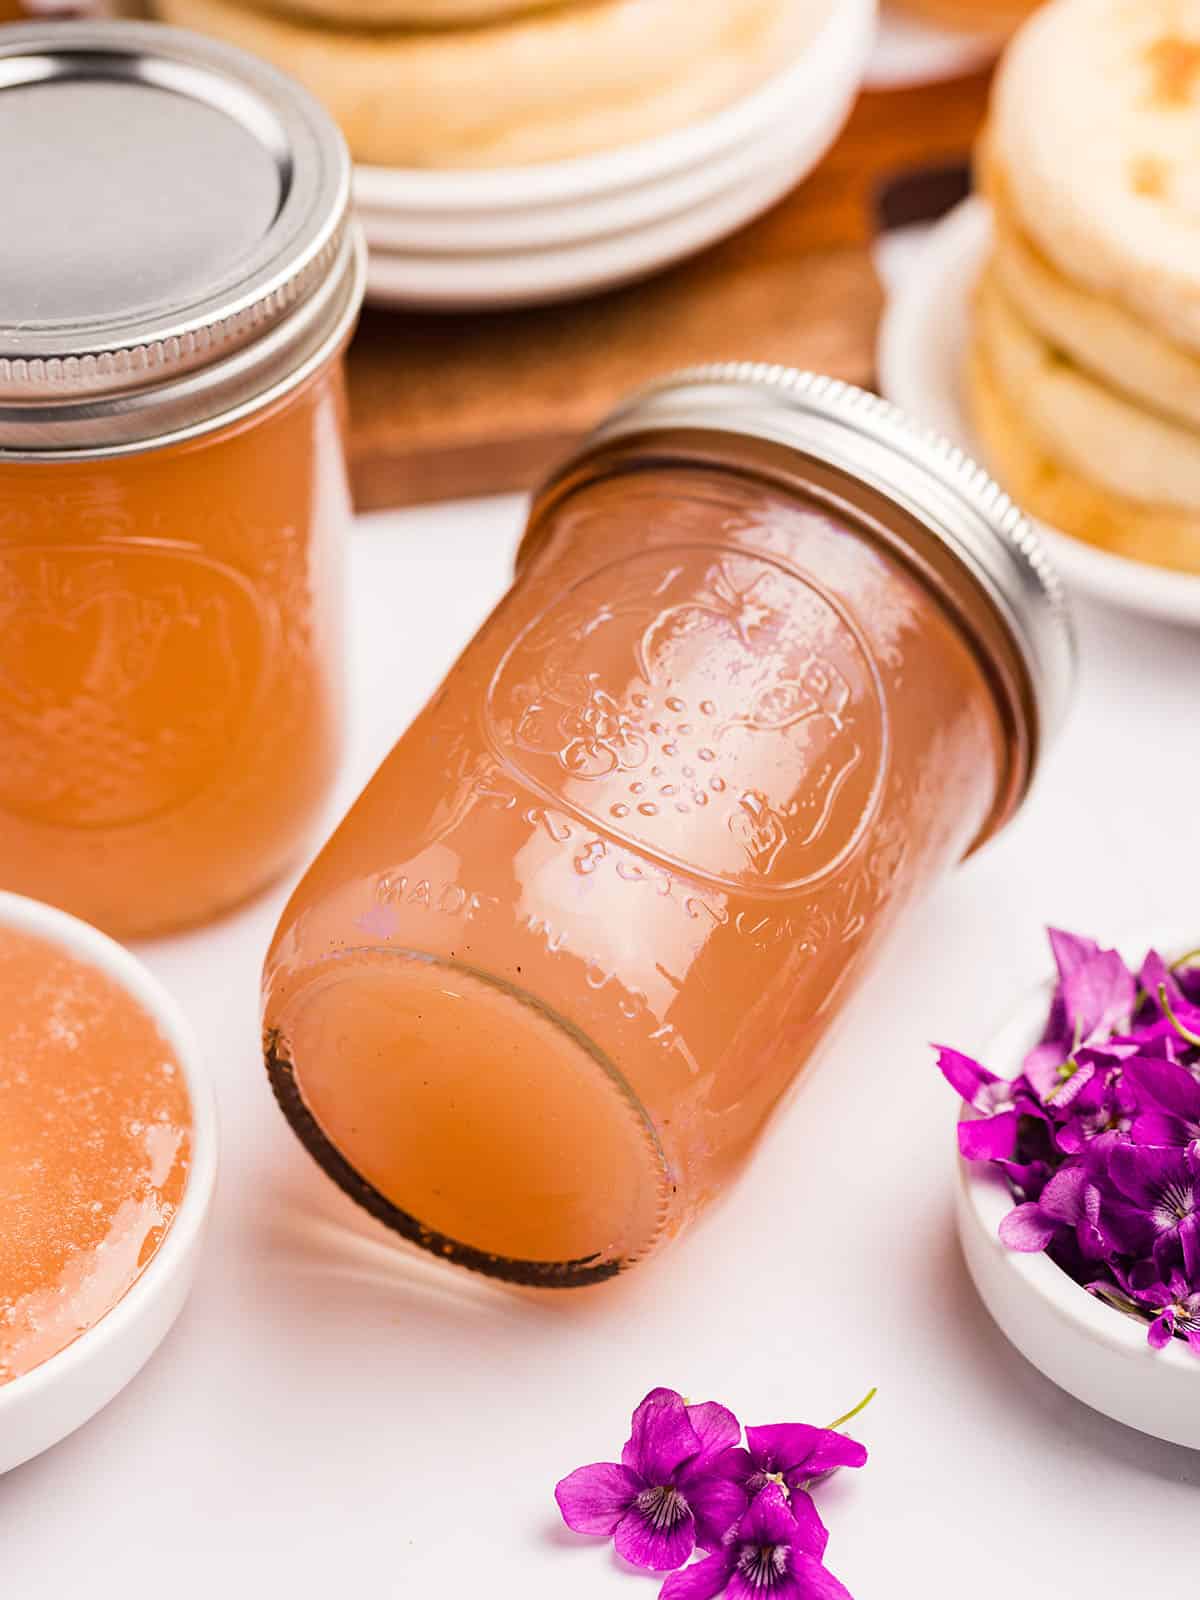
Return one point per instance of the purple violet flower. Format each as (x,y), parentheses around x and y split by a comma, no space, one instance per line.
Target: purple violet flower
(1177,1301)
(1095,997)
(773,1553)
(793,1455)
(673,1489)
(1172,1303)
(1099,1135)
(1102,1112)
(1001,1103)
(1070,1203)
(1169,1097)
(1156,1204)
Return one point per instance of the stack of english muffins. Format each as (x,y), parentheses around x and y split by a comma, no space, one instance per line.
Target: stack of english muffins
(489,83)
(1085,361)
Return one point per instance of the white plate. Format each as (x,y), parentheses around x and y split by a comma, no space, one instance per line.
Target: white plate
(541,277)
(827,72)
(909,52)
(44,1405)
(1094,1352)
(922,347)
(804,138)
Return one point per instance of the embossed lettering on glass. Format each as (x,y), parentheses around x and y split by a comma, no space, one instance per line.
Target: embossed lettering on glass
(173,496)
(772,664)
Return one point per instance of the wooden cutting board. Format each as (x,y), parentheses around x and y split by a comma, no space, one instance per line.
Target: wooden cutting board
(462,404)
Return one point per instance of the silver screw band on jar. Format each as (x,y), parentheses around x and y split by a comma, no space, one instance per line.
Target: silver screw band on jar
(200,293)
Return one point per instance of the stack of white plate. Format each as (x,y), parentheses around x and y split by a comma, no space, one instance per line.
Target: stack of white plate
(527,235)
(909,51)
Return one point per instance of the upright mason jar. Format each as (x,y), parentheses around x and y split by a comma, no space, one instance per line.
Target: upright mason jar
(178,280)
(773,662)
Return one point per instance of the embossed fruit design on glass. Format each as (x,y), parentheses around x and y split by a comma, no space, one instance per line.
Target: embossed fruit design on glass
(537,997)
(173,495)
(170,666)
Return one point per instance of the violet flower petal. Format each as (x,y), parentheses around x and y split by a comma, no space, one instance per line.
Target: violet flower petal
(1166,1083)
(1156,976)
(1028,1178)
(1142,1172)
(965,1075)
(989,1138)
(716,1504)
(594,1499)
(812,1581)
(1042,1063)
(1161,1128)
(1063,1197)
(716,1426)
(769,1519)
(657,1532)
(796,1449)
(1093,1236)
(1146,1284)
(1070,951)
(1027,1229)
(1129,1226)
(1064,1091)
(810,1534)
(699,1582)
(1189,1239)
(1161,1331)
(662,1438)
(1099,995)
(1071,955)
(804,1579)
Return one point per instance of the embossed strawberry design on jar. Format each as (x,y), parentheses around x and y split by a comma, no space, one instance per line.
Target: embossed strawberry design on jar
(732,694)
(92,639)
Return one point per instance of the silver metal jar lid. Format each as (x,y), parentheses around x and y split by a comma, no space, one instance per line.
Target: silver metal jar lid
(918,470)
(177,249)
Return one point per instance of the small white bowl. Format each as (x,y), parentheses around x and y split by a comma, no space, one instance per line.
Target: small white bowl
(921,362)
(1091,1350)
(44,1405)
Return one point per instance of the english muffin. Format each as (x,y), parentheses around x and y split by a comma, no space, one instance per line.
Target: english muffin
(1091,428)
(407,13)
(553,84)
(1100,336)
(1067,499)
(1095,127)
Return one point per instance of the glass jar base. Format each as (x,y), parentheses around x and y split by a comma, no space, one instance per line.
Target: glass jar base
(464,1114)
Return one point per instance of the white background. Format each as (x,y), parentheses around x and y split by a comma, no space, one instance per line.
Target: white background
(331,1415)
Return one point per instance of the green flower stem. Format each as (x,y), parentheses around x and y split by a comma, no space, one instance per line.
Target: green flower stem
(850,1415)
(1185,960)
(1185,1034)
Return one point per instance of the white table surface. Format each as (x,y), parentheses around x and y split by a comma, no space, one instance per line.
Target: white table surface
(331,1416)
